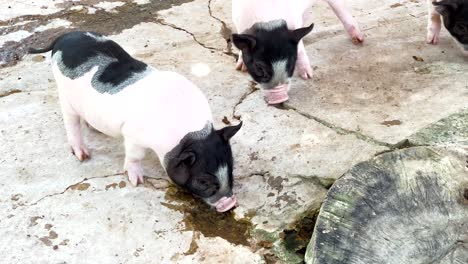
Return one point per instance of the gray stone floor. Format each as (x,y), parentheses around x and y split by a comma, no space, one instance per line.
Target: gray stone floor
(362,101)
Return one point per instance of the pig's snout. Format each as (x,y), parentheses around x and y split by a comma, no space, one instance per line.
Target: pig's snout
(277,95)
(226,203)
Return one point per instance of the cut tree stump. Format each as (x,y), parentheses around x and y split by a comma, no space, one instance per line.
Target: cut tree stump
(407,206)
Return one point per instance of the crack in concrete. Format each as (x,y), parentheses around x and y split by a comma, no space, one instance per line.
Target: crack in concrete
(14,91)
(257,173)
(225,33)
(164,23)
(252,89)
(339,130)
(314,179)
(211,15)
(342,131)
(403,144)
(74,184)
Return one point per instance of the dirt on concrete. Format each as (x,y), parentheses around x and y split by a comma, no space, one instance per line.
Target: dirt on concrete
(198,216)
(126,16)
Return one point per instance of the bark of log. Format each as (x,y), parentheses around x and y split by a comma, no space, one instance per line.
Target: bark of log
(407,206)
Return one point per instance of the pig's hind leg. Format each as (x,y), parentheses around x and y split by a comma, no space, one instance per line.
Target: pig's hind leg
(73,128)
(350,24)
(134,155)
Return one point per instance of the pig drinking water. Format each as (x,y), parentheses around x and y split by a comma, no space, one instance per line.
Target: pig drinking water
(270,36)
(100,83)
(455,17)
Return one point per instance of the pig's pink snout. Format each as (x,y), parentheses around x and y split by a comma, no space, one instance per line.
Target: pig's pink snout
(277,95)
(225,203)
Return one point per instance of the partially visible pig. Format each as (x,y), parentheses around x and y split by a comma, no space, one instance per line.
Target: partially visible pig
(455,17)
(100,83)
(270,36)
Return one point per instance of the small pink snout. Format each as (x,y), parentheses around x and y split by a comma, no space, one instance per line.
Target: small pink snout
(277,95)
(225,203)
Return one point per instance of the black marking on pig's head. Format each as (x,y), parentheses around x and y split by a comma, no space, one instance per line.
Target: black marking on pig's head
(78,52)
(202,163)
(269,51)
(455,16)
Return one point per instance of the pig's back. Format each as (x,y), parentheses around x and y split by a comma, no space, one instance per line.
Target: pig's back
(245,13)
(76,53)
(162,108)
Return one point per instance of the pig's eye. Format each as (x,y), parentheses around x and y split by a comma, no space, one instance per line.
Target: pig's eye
(205,186)
(259,70)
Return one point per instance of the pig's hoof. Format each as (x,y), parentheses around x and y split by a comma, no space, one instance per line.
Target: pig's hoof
(241,67)
(304,71)
(357,37)
(432,37)
(81,153)
(135,174)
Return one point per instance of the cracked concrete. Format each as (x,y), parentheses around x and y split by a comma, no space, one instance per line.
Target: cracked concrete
(362,101)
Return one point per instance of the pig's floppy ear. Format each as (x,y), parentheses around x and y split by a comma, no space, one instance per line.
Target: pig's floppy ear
(298,34)
(180,172)
(244,42)
(228,132)
(445,7)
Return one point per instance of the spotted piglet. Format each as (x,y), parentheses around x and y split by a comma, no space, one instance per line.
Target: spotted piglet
(270,36)
(455,18)
(100,83)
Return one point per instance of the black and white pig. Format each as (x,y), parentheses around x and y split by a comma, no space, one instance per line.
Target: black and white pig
(270,36)
(100,83)
(455,17)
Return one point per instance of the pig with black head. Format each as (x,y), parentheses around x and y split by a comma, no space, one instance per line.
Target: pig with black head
(454,14)
(101,84)
(269,37)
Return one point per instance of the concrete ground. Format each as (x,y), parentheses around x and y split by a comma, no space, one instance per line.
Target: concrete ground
(392,92)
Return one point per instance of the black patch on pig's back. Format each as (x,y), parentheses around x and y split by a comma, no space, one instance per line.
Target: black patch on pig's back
(81,51)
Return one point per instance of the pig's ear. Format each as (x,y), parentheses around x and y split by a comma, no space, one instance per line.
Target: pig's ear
(298,34)
(244,42)
(445,7)
(228,132)
(180,173)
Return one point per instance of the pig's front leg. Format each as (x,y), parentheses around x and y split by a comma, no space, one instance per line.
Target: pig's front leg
(303,68)
(75,138)
(350,24)
(240,66)
(134,155)
(433,24)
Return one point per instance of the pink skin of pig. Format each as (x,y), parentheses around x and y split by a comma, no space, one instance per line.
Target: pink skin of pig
(245,13)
